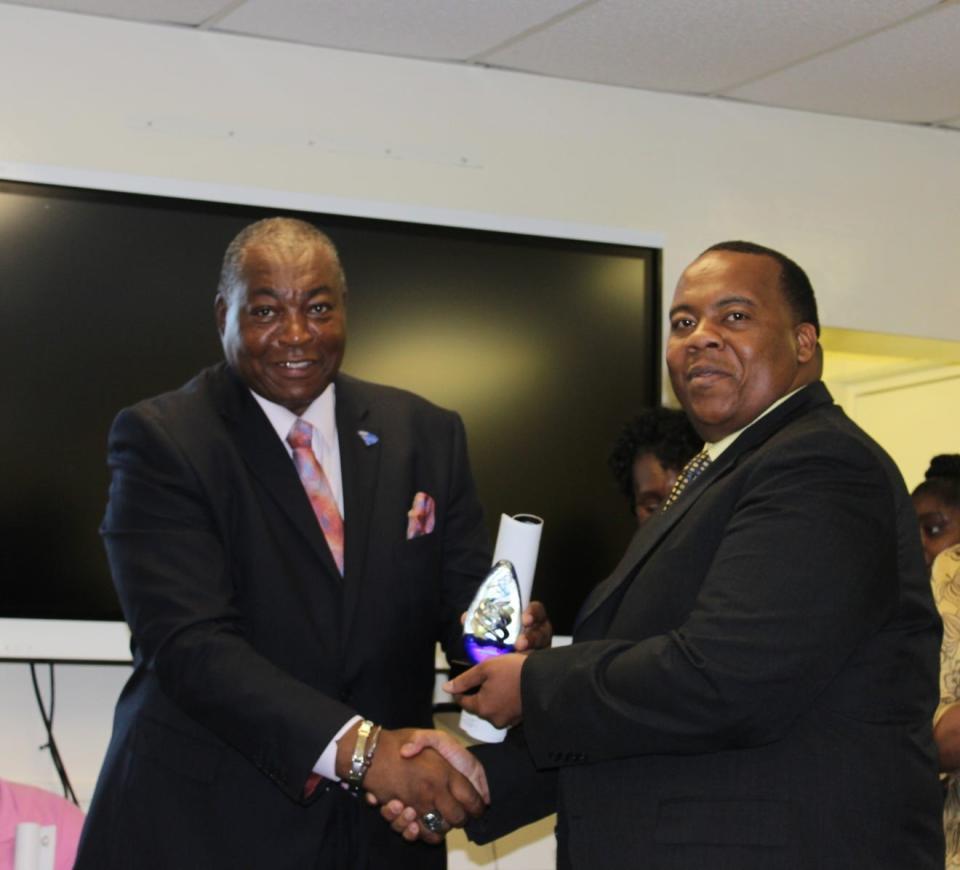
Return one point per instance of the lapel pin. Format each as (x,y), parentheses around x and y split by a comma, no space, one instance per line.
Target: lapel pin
(367,438)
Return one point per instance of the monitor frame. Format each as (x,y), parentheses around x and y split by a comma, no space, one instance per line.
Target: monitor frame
(108,642)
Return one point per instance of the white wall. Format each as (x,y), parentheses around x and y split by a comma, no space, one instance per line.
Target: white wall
(914,416)
(83,713)
(872,210)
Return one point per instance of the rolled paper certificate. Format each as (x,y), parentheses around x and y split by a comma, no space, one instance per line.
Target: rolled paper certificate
(518,542)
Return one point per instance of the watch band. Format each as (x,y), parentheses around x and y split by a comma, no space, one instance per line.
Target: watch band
(368,735)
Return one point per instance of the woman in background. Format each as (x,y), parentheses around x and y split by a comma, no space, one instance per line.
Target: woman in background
(946,721)
(937,503)
(651,451)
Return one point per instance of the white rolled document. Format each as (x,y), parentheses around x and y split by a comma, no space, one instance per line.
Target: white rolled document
(518,542)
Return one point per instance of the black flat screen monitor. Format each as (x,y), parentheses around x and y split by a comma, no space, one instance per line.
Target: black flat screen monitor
(543,345)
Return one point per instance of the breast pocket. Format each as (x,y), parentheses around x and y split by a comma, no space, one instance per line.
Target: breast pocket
(417,585)
(418,552)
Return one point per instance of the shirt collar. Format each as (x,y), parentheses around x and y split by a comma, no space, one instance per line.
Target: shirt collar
(715,448)
(319,414)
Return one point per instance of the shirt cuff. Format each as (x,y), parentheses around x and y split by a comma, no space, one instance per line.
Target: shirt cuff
(327,762)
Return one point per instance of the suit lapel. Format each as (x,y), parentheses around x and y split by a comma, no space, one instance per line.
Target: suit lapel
(646,539)
(359,467)
(270,463)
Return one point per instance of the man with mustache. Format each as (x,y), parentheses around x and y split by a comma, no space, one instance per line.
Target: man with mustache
(288,544)
(753,685)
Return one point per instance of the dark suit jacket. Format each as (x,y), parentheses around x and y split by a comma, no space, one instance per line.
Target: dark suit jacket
(249,649)
(753,685)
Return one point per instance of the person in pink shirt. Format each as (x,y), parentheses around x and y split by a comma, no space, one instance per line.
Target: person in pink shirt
(26,803)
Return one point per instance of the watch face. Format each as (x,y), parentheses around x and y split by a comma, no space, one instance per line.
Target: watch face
(492,625)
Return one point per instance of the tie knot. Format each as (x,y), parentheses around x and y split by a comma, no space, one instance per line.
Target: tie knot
(689,473)
(301,434)
(696,465)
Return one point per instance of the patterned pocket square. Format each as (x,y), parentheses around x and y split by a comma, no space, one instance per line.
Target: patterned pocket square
(422,516)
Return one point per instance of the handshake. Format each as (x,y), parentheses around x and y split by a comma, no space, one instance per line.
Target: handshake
(425,781)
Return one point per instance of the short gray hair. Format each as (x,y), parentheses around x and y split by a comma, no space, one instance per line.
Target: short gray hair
(281,231)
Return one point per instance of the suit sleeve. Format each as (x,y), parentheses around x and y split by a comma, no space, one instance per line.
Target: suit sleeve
(520,794)
(806,569)
(165,546)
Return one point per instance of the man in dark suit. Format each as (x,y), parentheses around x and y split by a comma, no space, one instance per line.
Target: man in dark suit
(269,647)
(753,685)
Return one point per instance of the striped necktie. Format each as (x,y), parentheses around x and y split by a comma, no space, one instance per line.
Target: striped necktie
(690,472)
(318,488)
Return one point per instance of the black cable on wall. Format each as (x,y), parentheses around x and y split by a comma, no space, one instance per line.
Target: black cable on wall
(51,743)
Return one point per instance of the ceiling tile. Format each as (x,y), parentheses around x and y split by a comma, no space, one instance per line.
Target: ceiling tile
(882,59)
(692,45)
(191,12)
(908,73)
(435,29)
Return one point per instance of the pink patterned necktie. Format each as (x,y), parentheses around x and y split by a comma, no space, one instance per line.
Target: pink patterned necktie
(318,488)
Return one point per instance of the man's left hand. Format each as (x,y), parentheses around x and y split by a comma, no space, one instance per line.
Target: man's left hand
(497,681)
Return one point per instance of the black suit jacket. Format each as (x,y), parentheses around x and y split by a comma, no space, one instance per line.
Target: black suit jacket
(753,686)
(250,651)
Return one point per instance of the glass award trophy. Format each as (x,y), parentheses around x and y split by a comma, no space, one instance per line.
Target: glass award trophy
(493,621)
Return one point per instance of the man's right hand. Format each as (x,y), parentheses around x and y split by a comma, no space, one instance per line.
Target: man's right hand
(405,819)
(425,783)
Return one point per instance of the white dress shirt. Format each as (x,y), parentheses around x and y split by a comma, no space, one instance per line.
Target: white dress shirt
(326,447)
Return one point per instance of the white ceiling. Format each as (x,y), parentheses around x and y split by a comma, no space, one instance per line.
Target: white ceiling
(887,60)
